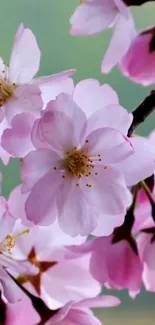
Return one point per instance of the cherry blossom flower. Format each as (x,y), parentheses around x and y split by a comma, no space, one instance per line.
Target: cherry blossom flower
(19,92)
(61,277)
(9,290)
(74,170)
(16,92)
(127,274)
(101,104)
(143,48)
(94,16)
(79,313)
(106,252)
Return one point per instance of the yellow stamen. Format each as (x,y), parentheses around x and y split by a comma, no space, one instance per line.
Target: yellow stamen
(6,91)
(75,163)
(10,241)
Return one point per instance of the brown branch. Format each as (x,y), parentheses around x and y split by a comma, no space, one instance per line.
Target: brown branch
(142,112)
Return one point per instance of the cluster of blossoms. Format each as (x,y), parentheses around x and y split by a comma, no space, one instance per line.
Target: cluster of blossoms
(83,172)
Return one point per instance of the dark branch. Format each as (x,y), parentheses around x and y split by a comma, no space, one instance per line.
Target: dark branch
(2,311)
(136,2)
(142,111)
(39,305)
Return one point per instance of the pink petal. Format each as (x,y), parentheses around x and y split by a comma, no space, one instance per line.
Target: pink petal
(58,238)
(16,204)
(4,155)
(141,70)
(44,193)
(51,124)
(64,103)
(106,224)
(90,19)
(120,42)
(17,140)
(25,57)
(113,116)
(76,215)
(60,76)
(27,98)
(62,287)
(16,266)
(128,274)
(52,86)
(100,301)
(82,317)
(108,191)
(148,255)
(110,144)
(60,315)
(90,96)
(37,135)
(36,165)
(21,312)
(148,278)
(6,219)
(1,179)
(143,217)
(138,166)
(122,7)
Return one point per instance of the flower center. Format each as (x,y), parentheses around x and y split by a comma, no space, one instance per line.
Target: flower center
(6,91)
(10,241)
(76,163)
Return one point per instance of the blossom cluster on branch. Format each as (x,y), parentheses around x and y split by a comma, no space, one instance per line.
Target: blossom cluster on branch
(83,172)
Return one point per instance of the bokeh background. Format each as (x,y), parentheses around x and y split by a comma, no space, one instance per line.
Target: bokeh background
(49,20)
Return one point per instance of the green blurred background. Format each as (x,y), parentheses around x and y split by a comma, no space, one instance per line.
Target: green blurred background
(49,20)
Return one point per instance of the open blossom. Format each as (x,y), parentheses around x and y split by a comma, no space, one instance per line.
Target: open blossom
(101,105)
(8,289)
(94,16)
(73,170)
(61,277)
(74,313)
(19,92)
(128,272)
(139,62)
(115,261)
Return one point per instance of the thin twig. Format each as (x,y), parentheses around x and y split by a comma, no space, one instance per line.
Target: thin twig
(142,111)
